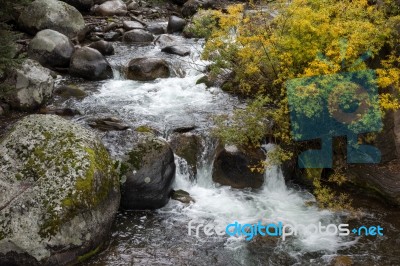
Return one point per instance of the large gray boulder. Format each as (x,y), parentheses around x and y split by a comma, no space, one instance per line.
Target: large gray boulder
(232,167)
(138,36)
(147,69)
(83,5)
(29,86)
(90,64)
(51,49)
(111,8)
(51,14)
(59,193)
(147,174)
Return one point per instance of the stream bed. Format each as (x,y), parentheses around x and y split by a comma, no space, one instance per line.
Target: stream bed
(161,237)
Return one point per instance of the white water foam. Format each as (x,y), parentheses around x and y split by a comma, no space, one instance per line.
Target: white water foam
(274,203)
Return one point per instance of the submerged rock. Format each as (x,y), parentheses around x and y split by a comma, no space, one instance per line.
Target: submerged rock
(70,91)
(51,14)
(107,124)
(175,49)
(30,86)
(232,167)
(59,192)
(147,69)
(90,64)
(147,173)
(182,196)
(51,49)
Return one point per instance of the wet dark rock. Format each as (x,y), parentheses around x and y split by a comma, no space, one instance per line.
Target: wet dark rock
(111,26)
(179,2)
(2,112)
(376,180)
(31,86)
(189,147)
(175,24)
(232,167)
(51,49)
(175,49)
(90,64)
(156,29)
(104,47)
(83,5)
(147,174)
(108,124)
(111,8)
(192,6)
(184,129)
(51,14)
(217,80)
(58,195)
(59,111)
(138,36)
(70,91)
(131,25)
(182,196)
(146,69)
(112,36)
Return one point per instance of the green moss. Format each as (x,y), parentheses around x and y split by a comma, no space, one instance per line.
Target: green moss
(144,129)
(90,254)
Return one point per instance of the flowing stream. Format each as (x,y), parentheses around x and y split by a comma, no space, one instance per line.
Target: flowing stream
(161,237)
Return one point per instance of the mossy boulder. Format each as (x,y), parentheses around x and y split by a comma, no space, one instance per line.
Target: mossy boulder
(147,174)
(189,147)
(59,192)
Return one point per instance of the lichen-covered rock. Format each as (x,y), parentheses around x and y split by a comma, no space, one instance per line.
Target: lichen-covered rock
(51,14)
(59,192)
(232,167)
(29,86)
(51,49)
(147,174)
